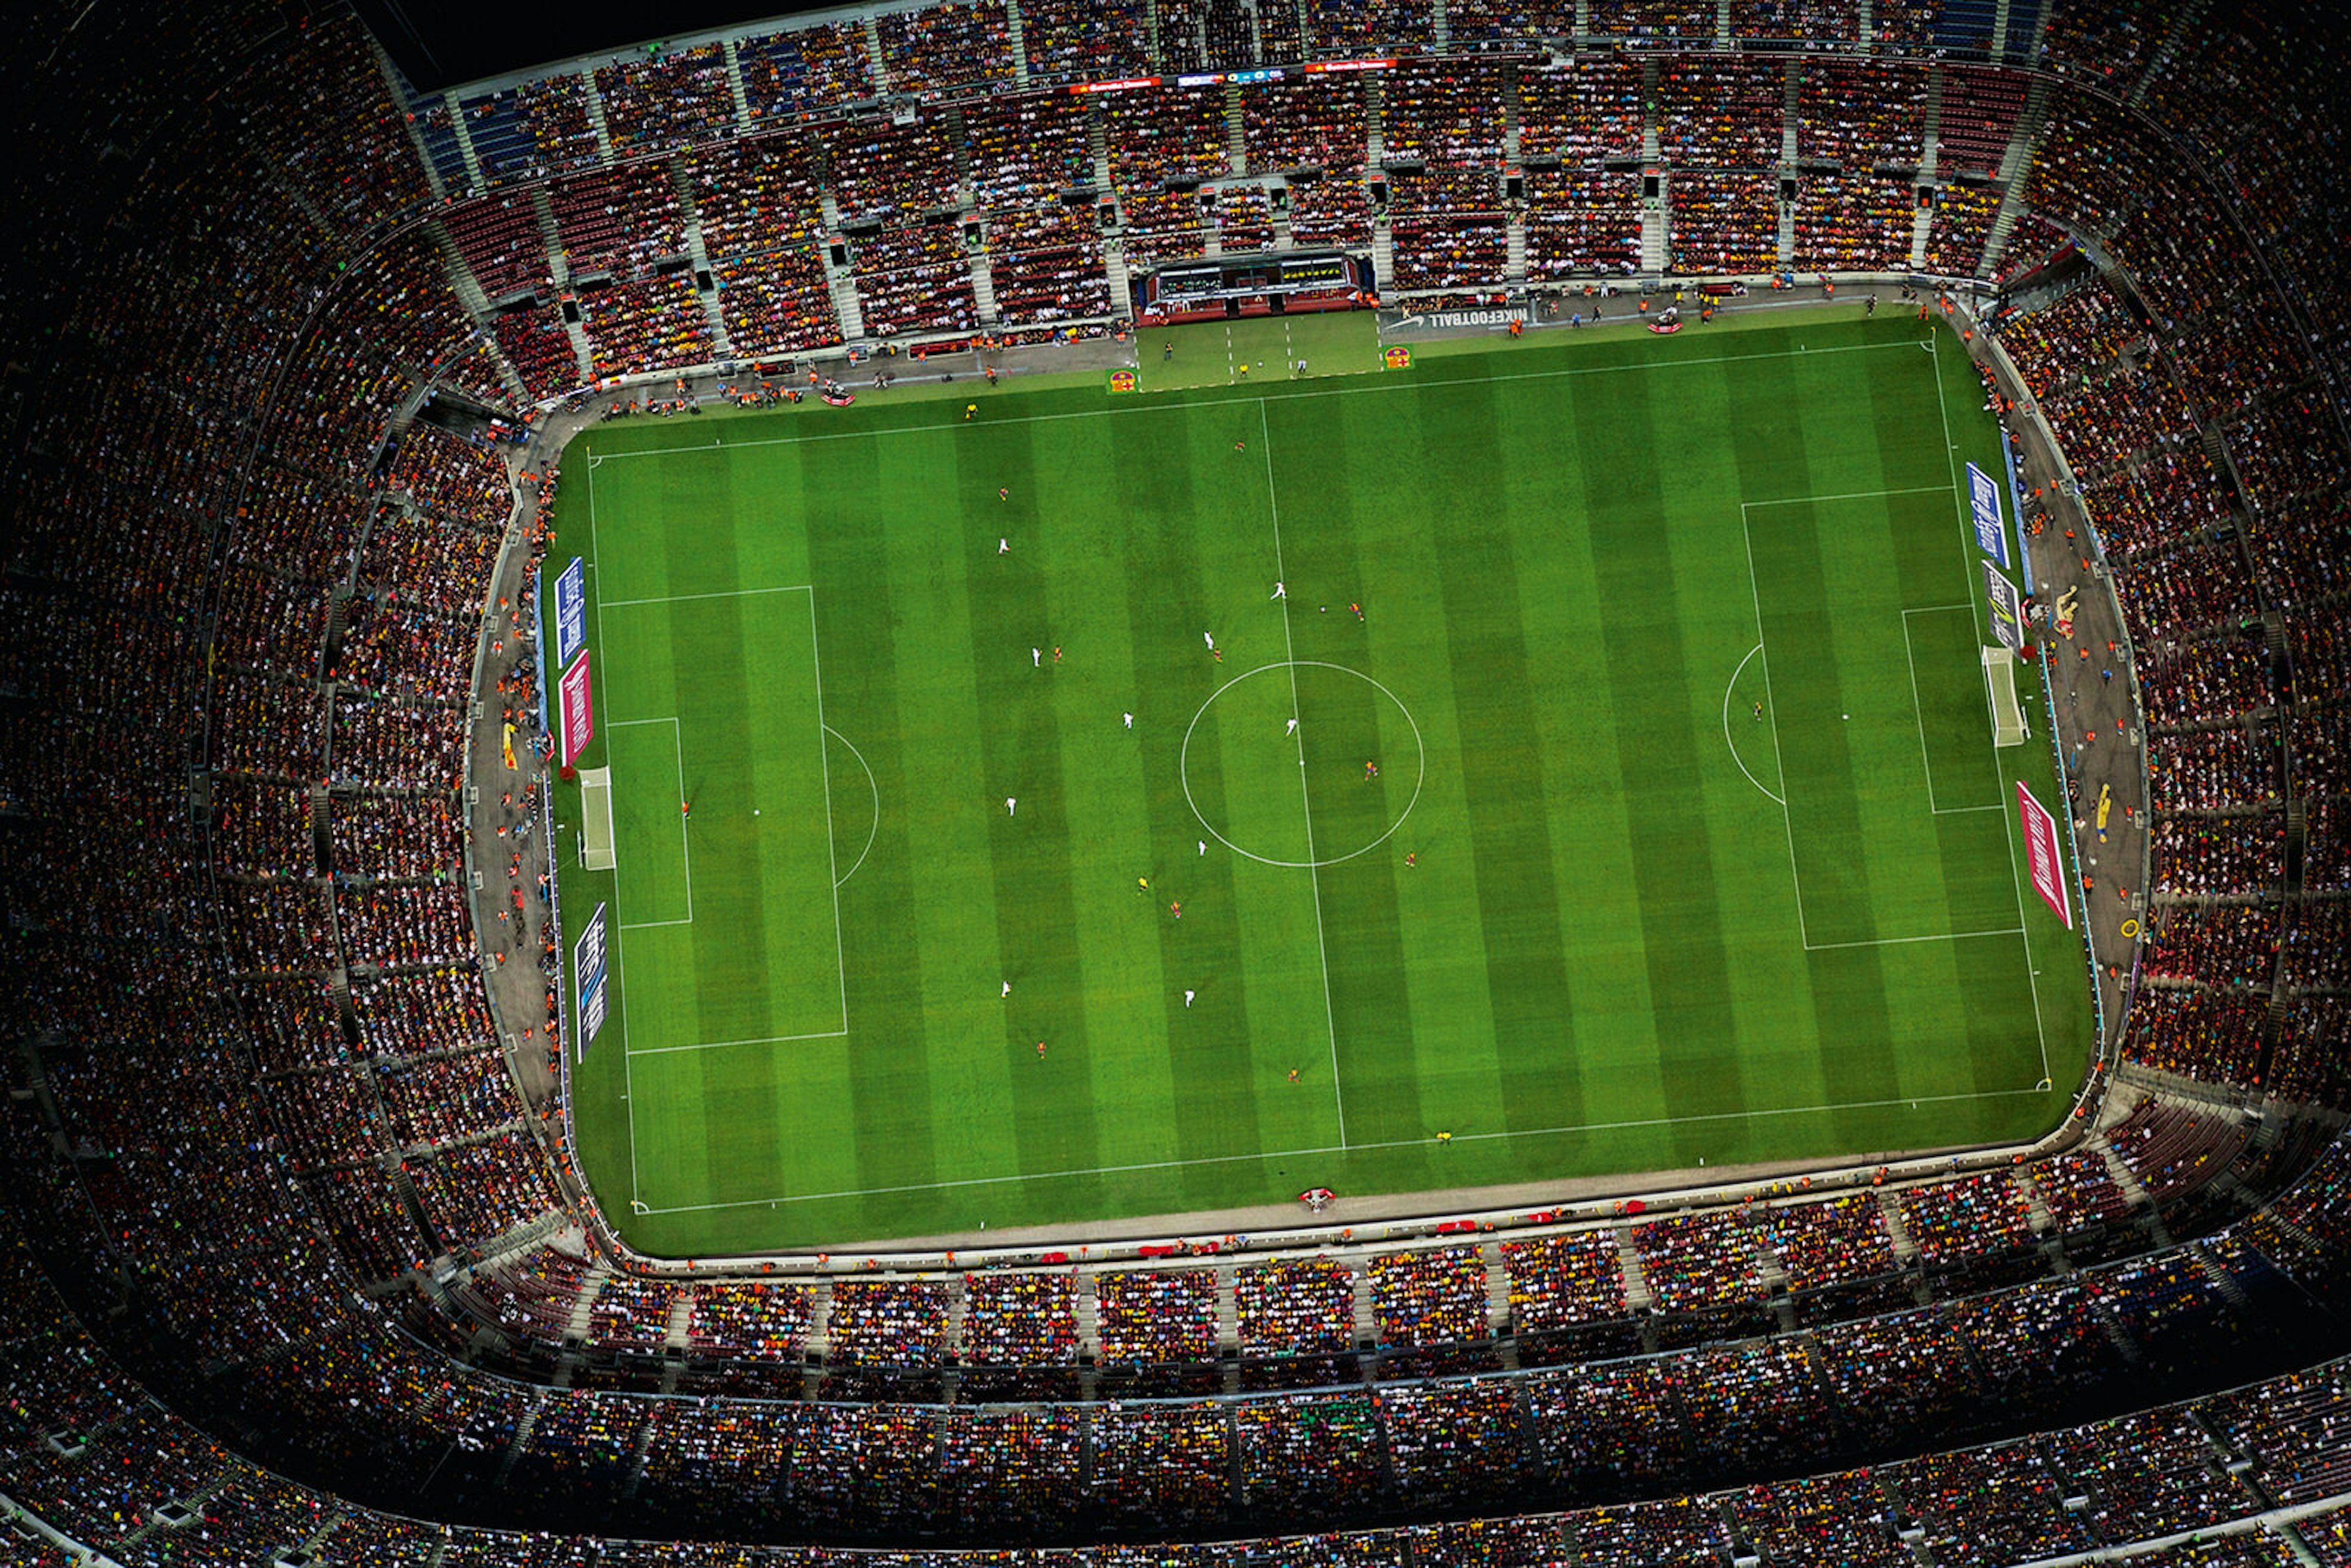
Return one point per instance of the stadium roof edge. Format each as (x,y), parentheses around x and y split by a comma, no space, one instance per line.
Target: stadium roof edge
(584,64)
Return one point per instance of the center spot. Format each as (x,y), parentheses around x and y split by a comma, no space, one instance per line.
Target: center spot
(1301,798)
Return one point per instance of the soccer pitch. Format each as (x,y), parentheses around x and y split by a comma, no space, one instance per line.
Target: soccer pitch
(1686,838)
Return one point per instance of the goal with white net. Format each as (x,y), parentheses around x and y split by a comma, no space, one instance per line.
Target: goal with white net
(2008,726)
(596,819)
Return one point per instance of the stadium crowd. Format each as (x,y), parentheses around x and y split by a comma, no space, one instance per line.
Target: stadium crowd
(347,1050)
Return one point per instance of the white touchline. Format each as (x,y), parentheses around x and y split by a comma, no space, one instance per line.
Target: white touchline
(620,935)
(1351,1148)
(1367,388)
(2008,818)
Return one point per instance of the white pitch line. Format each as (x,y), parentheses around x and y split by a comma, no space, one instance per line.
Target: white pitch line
(1900,941)
(722,1044)
(832,854)
(1787,825)
(721,593)
(1727,743)
(2007,817)
(1851,495)
(628,1078)
(685,838)
(1365,388)
(1306,799)
(1918,713)
(1336,1149)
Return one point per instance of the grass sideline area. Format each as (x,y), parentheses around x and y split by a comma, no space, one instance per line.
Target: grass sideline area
(1687,840)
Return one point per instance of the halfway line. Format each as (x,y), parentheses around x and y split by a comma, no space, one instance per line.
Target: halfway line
(1306,797)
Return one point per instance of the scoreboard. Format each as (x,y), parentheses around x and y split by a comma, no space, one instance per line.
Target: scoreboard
(1250,284)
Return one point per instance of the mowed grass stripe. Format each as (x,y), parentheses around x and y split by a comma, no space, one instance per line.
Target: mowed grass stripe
(1156,593)
(732,956)
(1317,464)
(1773,1047)
(1841,1051)
(1802,646)
(1613,1065)
(875,656)
(1784,458)
(1127,988)
(1649,689)
(1862,563)
(1814,446)
(1201,561)
(1510,804)
(1853,1030)
(1363,483)
(761,958)
(1053,1106)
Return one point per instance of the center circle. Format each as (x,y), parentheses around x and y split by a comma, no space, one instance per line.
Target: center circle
(1309,795)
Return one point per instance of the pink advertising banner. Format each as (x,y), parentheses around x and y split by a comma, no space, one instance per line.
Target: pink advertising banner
(2043,855)
(579,719)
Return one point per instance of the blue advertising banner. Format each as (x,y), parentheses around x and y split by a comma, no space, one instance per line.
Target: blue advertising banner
(571,613)
(2016,500)
(1983,500)
(588,974)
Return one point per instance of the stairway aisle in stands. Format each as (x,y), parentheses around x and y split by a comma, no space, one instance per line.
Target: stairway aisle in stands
(736,92)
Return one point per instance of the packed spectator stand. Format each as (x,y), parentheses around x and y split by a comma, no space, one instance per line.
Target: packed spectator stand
(282,1098)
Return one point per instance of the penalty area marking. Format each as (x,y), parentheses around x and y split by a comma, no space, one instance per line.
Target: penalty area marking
(1733,746)
(873,829)
(1918,708)
(1787,819)
(685,845)
(629,1052)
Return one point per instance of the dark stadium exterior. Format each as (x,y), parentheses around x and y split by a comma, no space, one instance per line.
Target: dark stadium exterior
(299,1263)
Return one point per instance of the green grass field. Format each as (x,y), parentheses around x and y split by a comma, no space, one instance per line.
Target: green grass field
(1687,842)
